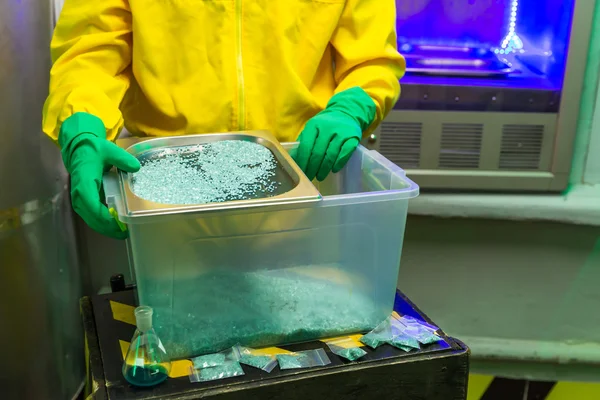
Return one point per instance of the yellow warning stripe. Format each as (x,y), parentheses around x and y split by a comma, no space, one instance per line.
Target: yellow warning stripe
(124,347)
(179,368)
(269,351)
(478,384)
(88,371)
(122,312)
(346,342)
(574,391)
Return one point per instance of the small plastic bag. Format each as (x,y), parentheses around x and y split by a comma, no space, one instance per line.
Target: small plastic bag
(211,367)
(424,336)
(228,369)
(404,341)
(423,332)
(351,353)
(209,360)
(256,358)
(345,348)
(403,348)
(216,359)
(303,359)
(403,332)
(380,335)
(410,321)
(428,338)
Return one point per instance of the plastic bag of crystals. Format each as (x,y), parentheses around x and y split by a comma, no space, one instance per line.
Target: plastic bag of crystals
(380,335)
(410,321)
(209,360)
(423,332)
(256,358)
(345,348)
(216,359)
(228,369)
(303,359)
(404,342)
(402,332)
(428,338)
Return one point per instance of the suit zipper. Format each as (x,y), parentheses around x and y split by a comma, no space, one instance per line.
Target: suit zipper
(240,67)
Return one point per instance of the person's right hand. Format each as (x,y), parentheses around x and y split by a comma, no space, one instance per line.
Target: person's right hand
(87,154)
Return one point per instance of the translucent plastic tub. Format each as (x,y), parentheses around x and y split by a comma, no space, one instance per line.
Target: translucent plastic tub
(273,275)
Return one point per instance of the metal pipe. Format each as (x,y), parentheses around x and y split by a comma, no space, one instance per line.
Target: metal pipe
(41,283)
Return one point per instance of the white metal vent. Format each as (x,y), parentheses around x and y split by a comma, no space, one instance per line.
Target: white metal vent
(461,145)
(401,143)
(521,147)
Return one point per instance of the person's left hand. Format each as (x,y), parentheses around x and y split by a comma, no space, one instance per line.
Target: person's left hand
(327,143)
(330,137)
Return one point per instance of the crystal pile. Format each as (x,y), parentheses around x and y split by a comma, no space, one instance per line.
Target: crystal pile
(352,354)
(209,173)
(256,361)
(219,309)
(405,333)
(293,361)
(209,360)
(229,369)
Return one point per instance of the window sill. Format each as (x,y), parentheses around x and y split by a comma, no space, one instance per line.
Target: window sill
(579,205)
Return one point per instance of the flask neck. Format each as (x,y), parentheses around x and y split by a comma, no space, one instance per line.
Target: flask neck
(143,318)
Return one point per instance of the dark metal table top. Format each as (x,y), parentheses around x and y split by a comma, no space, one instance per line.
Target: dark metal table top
(436,371)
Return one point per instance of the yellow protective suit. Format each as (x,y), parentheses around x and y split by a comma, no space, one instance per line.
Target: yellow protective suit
(171,67)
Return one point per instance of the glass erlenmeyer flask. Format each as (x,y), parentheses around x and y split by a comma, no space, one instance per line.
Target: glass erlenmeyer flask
(146,362)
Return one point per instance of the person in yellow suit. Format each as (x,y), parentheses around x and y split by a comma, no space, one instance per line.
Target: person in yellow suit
(324,72)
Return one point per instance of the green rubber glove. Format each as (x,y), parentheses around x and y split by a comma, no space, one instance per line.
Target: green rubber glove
(87,154)
(330,137)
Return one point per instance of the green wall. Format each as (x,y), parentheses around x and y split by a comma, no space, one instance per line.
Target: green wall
(523,293)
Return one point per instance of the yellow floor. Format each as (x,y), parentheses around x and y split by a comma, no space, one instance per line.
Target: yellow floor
(575,391)
(478,384)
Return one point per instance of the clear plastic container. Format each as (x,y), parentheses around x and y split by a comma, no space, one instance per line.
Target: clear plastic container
(276,274)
